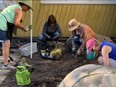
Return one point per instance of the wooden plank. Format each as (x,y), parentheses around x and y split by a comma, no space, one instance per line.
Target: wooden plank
(101,18)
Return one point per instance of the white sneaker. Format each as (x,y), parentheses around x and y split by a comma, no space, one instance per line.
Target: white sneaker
(8,67)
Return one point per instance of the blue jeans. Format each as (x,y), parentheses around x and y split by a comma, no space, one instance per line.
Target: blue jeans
(44,38)
(3,36)
(76,39)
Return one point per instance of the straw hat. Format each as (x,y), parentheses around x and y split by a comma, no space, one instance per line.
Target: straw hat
(73,24)
(27,2)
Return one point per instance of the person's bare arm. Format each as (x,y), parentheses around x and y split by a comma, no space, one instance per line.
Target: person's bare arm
(105,53)
(18,17)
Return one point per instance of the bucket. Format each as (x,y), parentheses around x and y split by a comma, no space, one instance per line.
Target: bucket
(90,56)
(26,49)
(22,76)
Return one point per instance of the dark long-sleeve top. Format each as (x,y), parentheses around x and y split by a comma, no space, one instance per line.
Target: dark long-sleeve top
(48,31)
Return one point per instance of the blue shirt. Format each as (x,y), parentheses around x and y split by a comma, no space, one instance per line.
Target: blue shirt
(112,54)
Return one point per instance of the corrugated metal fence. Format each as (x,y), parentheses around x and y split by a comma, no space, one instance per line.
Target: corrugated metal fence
(101,18)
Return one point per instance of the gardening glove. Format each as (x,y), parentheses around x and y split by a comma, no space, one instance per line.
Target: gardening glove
(73,49)
(49,37)
(78,52)
(81,40)
(27,28)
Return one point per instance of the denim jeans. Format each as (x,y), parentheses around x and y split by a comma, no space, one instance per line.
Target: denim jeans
(44,38)
(76,39)
(3,36)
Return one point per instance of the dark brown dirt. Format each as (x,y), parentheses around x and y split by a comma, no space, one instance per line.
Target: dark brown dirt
(48,72)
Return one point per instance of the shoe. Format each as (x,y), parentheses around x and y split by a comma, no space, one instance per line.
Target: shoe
(8,67)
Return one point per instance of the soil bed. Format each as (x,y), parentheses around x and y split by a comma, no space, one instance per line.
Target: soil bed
(48,73)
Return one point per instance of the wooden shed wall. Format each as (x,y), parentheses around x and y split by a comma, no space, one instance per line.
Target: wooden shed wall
(101,18)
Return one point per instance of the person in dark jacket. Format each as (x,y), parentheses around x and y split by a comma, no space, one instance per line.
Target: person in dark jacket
(51,30)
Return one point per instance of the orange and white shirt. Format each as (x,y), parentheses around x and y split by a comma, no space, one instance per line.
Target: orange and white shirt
(85,33)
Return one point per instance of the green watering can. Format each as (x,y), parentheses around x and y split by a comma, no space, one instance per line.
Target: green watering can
(90,56)
(22,75)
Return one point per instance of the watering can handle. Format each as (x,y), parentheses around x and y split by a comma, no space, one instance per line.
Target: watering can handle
(20,68)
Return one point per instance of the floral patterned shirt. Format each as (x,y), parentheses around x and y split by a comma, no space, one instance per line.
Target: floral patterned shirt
(85,34)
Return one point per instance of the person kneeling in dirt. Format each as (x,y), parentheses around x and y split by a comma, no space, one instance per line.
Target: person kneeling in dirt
(80,34)
(107,50)
(51,30)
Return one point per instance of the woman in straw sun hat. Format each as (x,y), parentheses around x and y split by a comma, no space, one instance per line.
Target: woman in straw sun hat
(12,15)
(81,34)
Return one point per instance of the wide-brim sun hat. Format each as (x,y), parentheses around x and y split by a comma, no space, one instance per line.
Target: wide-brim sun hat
(73,24)
(27,2)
